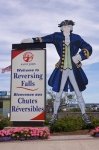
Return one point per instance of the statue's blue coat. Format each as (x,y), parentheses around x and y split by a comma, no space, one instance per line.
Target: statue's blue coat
(76,43)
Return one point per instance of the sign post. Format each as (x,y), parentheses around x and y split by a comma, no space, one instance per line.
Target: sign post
(28,86)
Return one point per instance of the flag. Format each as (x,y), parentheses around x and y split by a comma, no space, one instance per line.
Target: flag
(7,69)
(0,70)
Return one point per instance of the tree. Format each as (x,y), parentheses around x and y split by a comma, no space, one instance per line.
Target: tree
(66,100)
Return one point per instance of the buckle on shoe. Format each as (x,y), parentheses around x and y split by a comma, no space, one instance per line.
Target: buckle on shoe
(86,119)
(53,119)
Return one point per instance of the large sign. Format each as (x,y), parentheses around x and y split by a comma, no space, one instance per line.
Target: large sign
(28,85)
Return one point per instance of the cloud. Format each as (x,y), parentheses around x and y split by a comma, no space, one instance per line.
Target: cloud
(21,19)
(5,82)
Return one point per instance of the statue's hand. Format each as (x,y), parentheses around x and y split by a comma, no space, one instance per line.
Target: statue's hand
(29,40)
(76,59)
(57,65)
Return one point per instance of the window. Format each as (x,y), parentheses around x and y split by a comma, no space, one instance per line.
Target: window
(1,104)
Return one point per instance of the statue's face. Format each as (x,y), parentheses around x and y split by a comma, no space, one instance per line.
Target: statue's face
(67,28)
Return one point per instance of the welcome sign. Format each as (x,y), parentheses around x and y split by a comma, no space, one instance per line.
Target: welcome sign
(28,85)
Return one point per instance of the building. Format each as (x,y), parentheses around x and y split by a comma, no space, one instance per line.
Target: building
(4,103)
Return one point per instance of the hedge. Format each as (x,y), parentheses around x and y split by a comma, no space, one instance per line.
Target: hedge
(68,124)
(5,122)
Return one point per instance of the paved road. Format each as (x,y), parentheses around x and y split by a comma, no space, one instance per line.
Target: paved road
(72,142)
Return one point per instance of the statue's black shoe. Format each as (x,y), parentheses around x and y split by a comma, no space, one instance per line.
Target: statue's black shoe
(53,119)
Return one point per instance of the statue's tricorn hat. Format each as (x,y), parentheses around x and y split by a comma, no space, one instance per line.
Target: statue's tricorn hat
(66,22)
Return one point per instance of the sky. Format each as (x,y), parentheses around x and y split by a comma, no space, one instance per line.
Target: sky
(20,19)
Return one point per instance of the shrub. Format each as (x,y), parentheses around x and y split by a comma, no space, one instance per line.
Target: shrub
(95,121)
(95,132)
(24,133)
(69,124)
(4,123)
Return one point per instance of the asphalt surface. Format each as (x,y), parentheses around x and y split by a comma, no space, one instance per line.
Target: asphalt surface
(67,142)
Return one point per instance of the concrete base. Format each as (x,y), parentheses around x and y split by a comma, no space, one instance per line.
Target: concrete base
(27,124)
